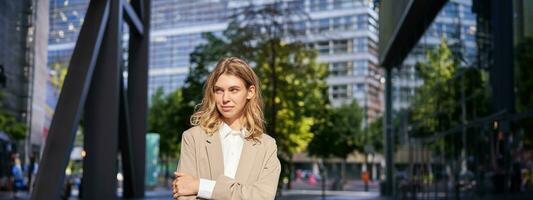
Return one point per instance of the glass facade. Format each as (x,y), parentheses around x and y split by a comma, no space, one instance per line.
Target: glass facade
(457,23)
(66,18)
(65,21)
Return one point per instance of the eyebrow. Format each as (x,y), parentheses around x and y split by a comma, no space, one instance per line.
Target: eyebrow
(231,87)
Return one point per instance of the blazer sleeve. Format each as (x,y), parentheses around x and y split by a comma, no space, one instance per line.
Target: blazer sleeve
(263,189)
(187,162)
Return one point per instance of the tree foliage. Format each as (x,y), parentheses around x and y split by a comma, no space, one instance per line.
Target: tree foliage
(165,118)
(438,104)
(10,125)
(341,134)
(435,103)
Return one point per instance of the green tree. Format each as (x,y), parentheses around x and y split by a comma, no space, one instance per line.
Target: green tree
(9,123)
(435,101)
(57,78)
(165,118)
(449,98)
(340,135)
(375,134)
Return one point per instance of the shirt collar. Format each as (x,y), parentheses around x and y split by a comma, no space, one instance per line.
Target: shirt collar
(225,131)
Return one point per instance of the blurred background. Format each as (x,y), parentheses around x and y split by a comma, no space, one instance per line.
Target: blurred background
(367,99)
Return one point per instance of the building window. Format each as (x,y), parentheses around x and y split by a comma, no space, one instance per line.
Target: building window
(360,44)
(321,25)
(343,4)
(340,46)
(316,5)
(342,23)
(360,67)
(295,5)
(322,47)
(297,28)
(340,69)
(340,91)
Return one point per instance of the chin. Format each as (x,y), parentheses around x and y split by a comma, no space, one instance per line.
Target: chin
(228,115)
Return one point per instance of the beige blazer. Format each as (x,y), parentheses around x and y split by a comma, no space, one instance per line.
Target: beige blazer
(257,174)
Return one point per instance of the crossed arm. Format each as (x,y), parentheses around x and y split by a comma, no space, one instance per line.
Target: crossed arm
(186,184)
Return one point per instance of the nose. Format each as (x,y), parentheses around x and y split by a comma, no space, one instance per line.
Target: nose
(225,97)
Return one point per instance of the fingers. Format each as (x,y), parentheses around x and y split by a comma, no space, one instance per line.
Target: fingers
(175,188)
(175,196)
(178,174)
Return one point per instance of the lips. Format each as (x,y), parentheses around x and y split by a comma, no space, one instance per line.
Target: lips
(227,108)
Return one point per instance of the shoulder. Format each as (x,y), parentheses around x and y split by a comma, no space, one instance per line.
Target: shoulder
(193,133)
(268,141)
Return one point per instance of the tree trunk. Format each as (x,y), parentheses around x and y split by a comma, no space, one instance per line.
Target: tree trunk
(291,170)
(323,175)
(166,169)
(343,174)
(273,76)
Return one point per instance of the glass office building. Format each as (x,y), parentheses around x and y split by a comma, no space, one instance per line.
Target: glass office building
(344,32)
(23,41)
(65,20)
(457,23)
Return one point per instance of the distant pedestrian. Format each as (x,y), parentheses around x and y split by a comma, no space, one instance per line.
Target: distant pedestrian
(18,177)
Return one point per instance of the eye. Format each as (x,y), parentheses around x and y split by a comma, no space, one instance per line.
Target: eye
(233,90)
(218,90)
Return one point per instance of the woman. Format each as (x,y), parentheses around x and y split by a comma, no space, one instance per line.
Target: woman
(227,154)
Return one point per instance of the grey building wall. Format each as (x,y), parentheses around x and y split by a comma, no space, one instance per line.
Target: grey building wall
(39,74)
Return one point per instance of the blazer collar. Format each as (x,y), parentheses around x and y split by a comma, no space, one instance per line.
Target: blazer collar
(225,131)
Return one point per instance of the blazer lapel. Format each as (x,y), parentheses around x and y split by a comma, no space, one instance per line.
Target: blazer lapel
(214,153)
(247,160)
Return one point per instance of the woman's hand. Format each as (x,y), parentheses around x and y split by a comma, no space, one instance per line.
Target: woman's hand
(185,185)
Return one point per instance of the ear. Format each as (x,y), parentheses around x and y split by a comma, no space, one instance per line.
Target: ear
(251,92)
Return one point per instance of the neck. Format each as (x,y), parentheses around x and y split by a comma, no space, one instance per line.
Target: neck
(234,124)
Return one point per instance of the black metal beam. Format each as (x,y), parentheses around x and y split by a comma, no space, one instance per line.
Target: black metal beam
(138,92)
(126,144)
(388,137)
(133,18)
(101,115)
(61,136)
(416,18)
(501,73)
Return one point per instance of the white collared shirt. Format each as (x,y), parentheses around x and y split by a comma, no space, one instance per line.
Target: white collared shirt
(232,142)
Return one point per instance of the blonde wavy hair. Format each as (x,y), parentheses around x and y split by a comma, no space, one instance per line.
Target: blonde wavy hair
(207,115)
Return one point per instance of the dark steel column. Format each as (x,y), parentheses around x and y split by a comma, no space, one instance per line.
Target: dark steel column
(138,92)
(501,74)
(389,143)
(49,182)
(101,115)
(125,144)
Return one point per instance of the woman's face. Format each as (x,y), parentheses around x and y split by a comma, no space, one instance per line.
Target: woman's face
(231,96)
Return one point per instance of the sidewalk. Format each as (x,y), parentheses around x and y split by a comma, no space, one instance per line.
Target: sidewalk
(9,195)
(329,195)
(165,194)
